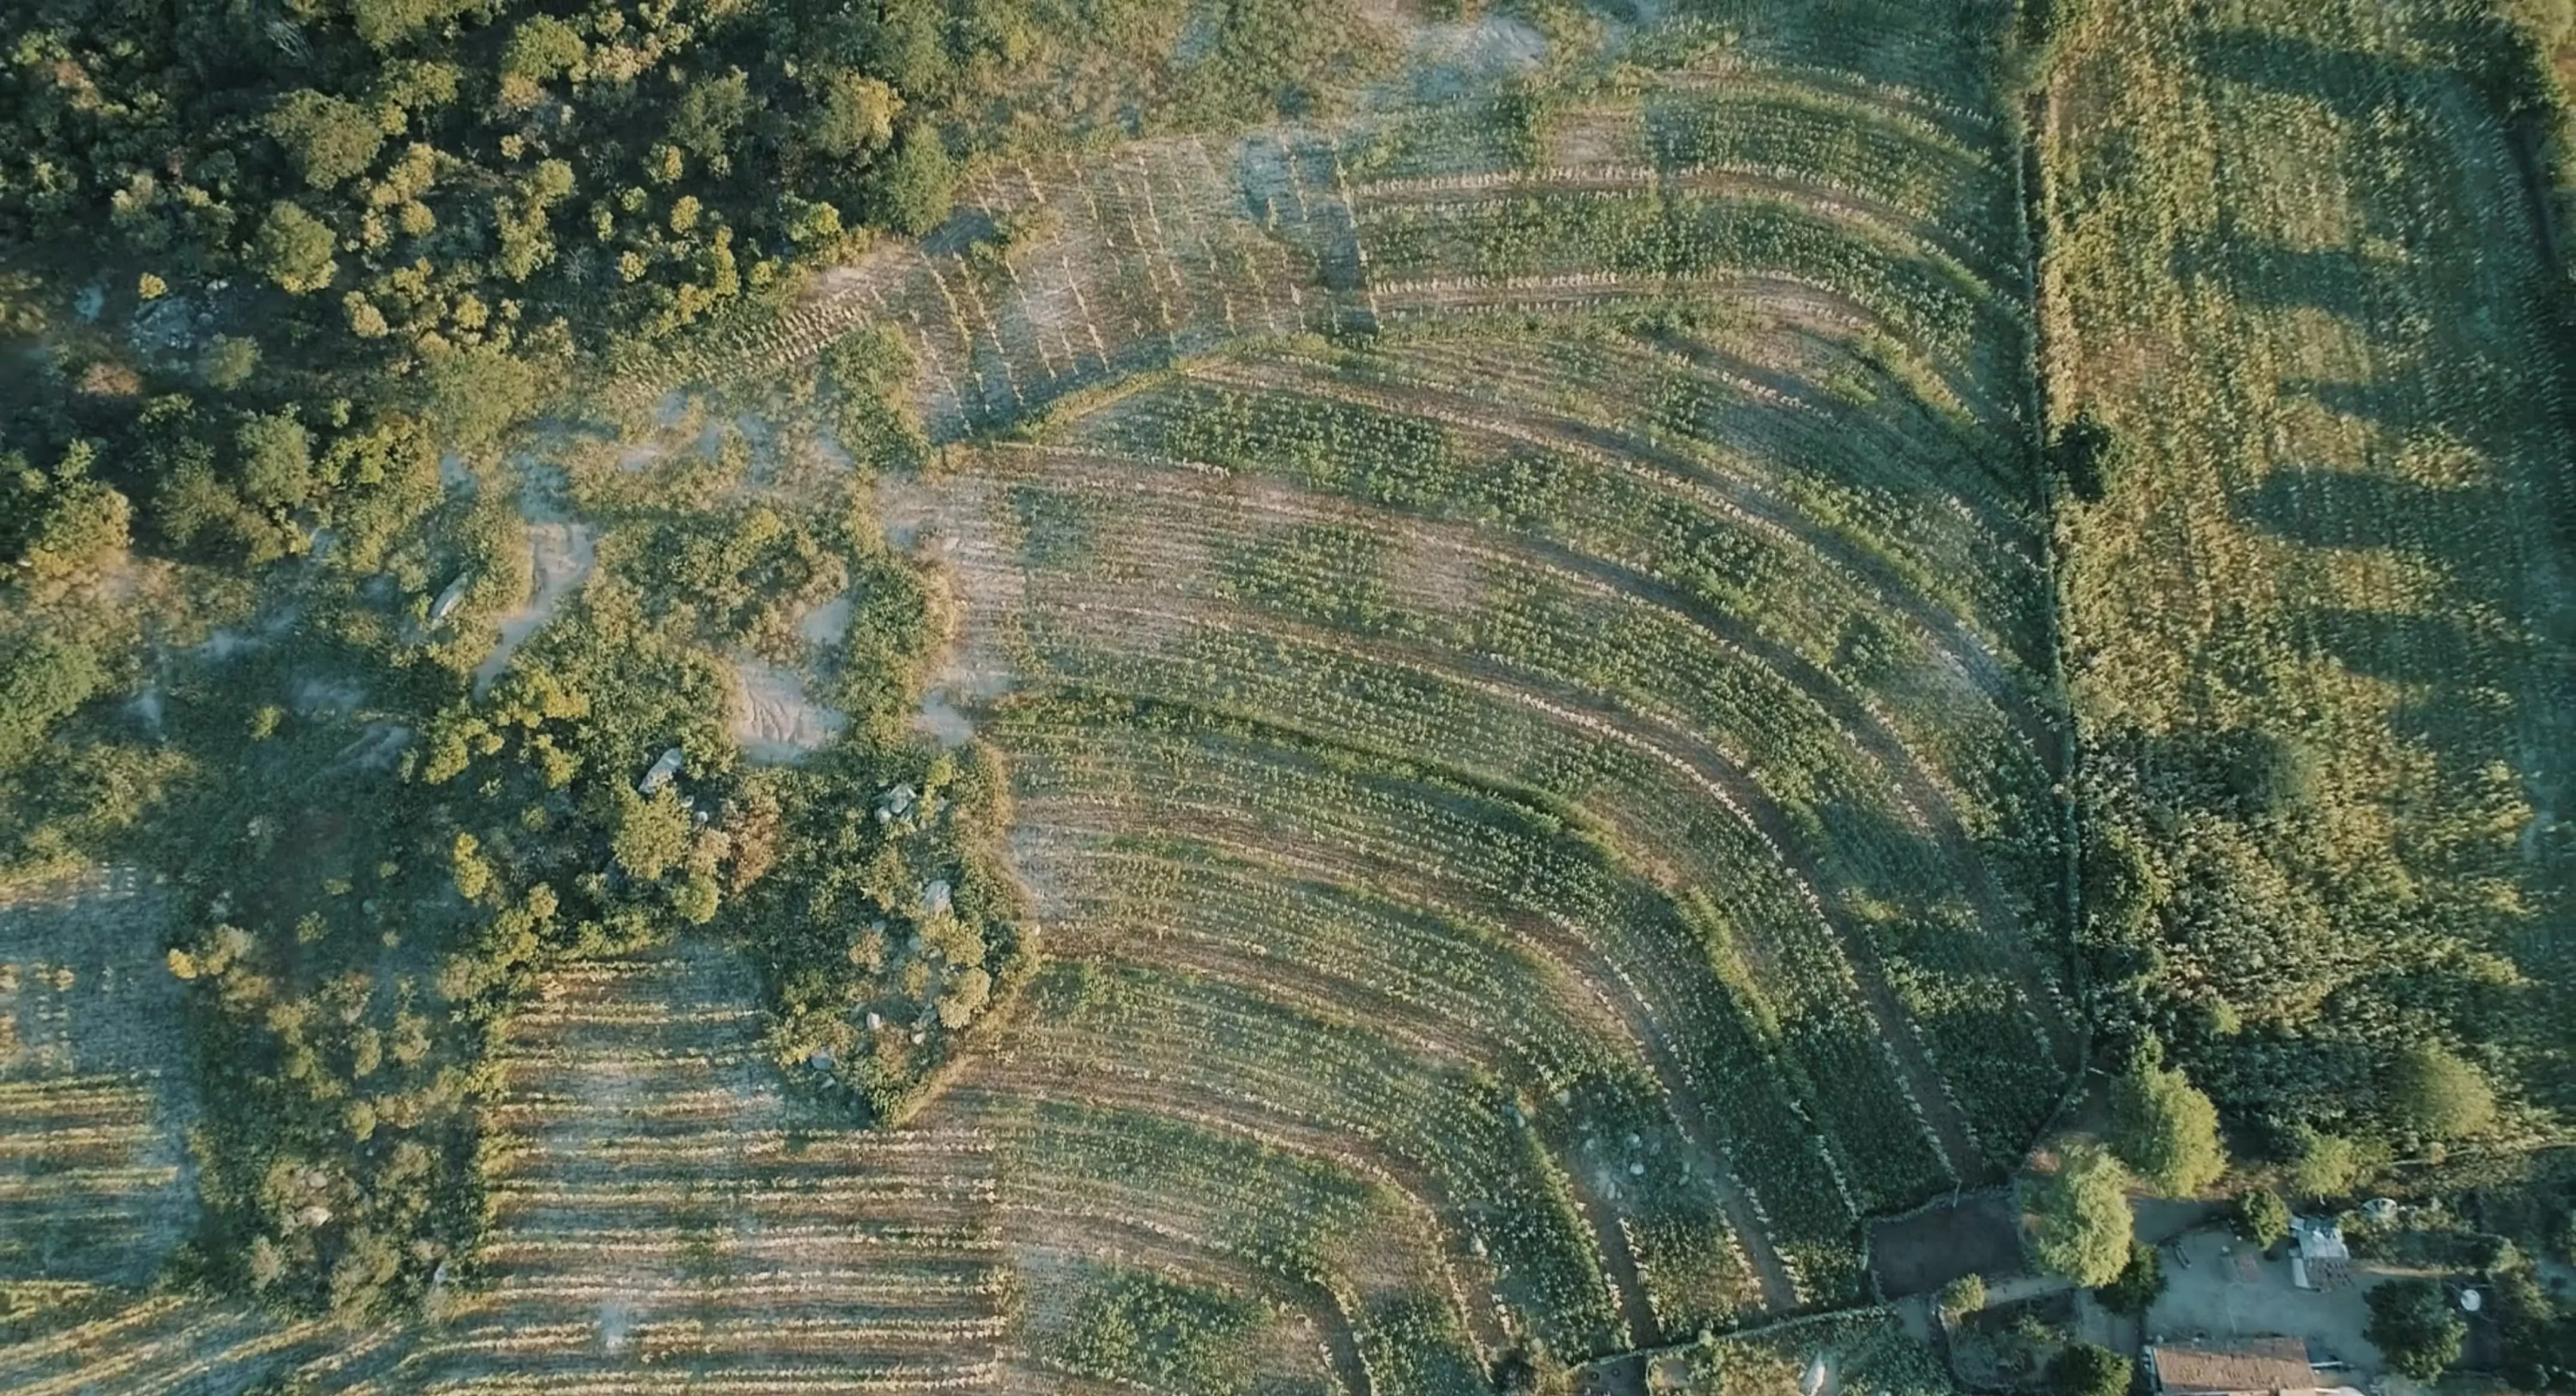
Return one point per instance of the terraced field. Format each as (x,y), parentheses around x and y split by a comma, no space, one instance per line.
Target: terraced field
(1525,653)
(1555,770)
(666,1221)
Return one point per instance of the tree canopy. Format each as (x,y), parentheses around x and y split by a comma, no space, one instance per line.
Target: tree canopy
(2415,1326)
(2262,1217)
(2165,1130)
(2082,1210)
(2433,1093)
(2089,1369)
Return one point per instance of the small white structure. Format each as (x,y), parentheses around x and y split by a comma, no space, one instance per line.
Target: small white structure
(935,897)
(896,803)
(2320,1259)
(662,772)
(450,599)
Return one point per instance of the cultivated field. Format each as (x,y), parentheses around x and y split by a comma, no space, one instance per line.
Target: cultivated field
(665,1220)
(1525,637)
(1556,772)
(2316,296)
(95,1188)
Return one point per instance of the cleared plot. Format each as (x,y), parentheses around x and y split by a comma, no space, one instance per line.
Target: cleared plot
(665,1220)
(94,1098)
(1062,275)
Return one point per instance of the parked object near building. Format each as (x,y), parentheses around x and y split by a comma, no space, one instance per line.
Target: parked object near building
(2256,1367)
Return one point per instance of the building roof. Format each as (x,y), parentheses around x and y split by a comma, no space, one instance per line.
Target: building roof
(2320,1239)
(2266,1365)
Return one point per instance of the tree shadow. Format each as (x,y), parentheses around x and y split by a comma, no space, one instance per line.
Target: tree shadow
(2268,273)
(2323,508)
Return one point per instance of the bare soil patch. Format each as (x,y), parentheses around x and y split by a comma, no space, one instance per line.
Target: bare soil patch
(561,555)
(1979,1234)
(775,719)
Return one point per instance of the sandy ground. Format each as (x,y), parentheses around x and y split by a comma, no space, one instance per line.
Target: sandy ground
(562,554)
(777,721)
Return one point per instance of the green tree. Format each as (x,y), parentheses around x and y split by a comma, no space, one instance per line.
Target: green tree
(710,115)
(473,395)
(42,679)
(541,49)
(854,114)
(920,184)
(294,249)
(385,23)
(2088,1369)
(229,362)
(2140,1281)
(55,525)
(652,833)
(2326,1165)
(2262,1217)
(2434,1094)
(910,46)
(328,139)
(2084,1227)
(2166,1130)
(1962,1297)
(2414,1326)
(276,460)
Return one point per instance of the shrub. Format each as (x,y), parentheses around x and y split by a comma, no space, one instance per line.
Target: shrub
(2262,1217)
(2088,456)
